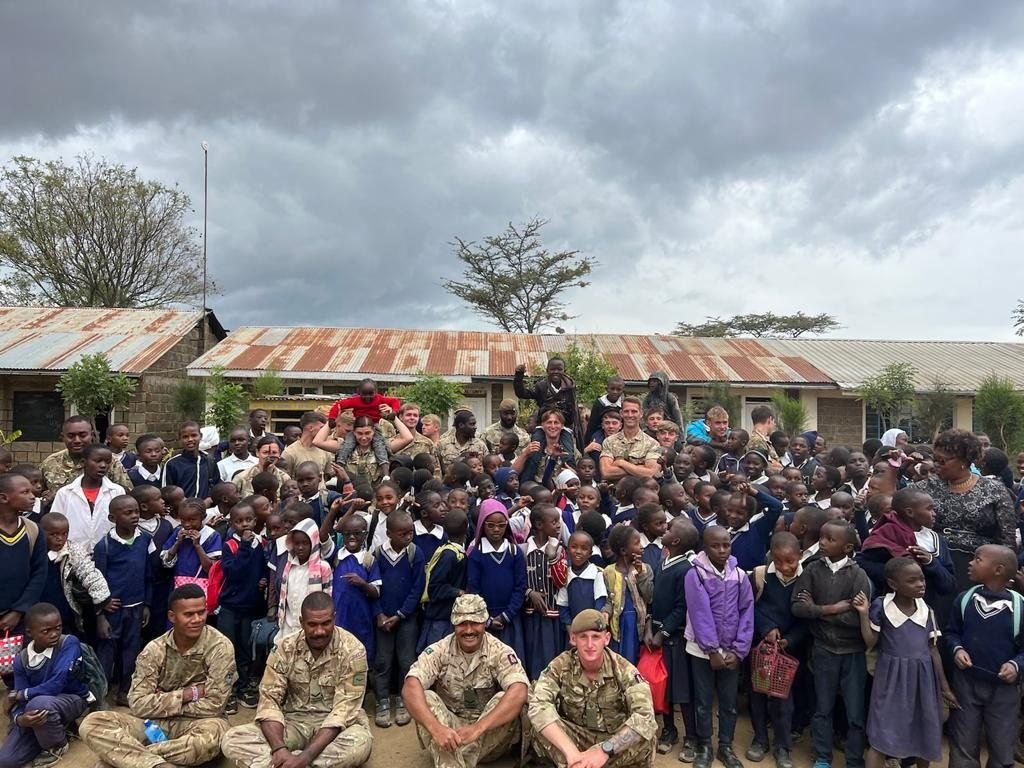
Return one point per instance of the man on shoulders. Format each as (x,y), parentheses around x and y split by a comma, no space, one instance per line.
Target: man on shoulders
(310,709)
(466,692)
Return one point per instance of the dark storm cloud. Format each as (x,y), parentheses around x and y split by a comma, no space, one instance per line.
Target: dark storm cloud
(698,142)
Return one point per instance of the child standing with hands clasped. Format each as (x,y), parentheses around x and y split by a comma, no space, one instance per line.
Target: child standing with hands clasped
(545,574)
(496,570)
(984,634)
(909,682)
(823,595)
(191,551)
(719,629)
(630,584)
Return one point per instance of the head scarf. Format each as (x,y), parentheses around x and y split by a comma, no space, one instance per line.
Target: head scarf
(565,476)
(319,572)
(501,477)
(889,438)
(490,507)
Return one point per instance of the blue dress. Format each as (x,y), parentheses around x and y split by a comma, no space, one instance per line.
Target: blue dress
(352,610)
(628,644)
(500,579)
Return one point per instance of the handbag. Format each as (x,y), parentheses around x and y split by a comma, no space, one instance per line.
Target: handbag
(202,581)
(10,647)
(772,670)
(651,666)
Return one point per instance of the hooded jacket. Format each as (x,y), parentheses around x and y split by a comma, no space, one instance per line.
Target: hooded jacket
(664,399)
(719,611)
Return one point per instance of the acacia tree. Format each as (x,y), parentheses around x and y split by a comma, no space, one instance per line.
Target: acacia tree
(516,283)
(758,325)
(94,234)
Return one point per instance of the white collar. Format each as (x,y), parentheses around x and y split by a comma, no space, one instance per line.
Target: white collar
(419,529)
(58,555)
(808,553)
(388,550)
(645,542)
(126,542)
(591,572)
(344,554)
(927,540)
(35,658)
(837,566)
(897,617)
(531,544)
(487,548)
(146,475)
(670,561)
(772,569)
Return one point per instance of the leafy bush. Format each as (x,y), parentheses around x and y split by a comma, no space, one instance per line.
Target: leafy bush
(267,384)
(432,393)
(226,403)
(188,399)
(999,409)
(93,388)
(790,414)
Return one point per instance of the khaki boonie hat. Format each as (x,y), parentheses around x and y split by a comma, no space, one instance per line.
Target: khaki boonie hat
(469,608)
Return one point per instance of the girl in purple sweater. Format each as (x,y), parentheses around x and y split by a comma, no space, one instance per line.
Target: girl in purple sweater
(719,628)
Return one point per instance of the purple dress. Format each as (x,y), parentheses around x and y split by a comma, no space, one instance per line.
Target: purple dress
(906,688)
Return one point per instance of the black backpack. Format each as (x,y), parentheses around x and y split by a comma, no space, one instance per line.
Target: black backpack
(86,669)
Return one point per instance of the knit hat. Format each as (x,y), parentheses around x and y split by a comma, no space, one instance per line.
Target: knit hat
(469,608)
(588,620)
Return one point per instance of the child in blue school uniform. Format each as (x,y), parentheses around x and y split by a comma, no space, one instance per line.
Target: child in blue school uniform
(668,622)
(545,574)
(190,553)
(160,529)
(652,523)
(123,557)
(496,570)
(596,526)
(708,502)
(750,515)
(445,581)
(630,584)
(428,510)
(356,584)
(584,587)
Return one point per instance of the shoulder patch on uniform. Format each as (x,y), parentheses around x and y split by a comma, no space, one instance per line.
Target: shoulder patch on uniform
(359,678)
(428,650)
(513,659)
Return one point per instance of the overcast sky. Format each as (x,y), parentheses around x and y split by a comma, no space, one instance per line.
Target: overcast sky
(860,158)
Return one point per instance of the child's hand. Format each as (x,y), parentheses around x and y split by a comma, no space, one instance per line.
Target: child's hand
(355,580)
(384,410)
(731,660)
(537,601)
(145,616)
(860,603)
(949,698)
(963,659)
(1008,673)
(262,584)
(497,623)
(773,636)
(532,448)
(113,604)
(340,473)
(249,535)
(657,640)
(717,661)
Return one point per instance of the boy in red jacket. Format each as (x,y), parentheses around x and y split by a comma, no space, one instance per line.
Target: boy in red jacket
(366,403)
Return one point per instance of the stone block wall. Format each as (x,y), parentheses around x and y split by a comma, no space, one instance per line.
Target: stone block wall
(841,420)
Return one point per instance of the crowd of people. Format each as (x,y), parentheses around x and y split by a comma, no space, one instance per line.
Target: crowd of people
(502,589)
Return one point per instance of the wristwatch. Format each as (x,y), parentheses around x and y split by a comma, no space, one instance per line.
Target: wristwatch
(608,748)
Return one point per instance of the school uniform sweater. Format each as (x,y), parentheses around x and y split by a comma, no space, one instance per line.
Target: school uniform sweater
(700,523)
(22,570)
(243,564)
(127,567)
(445,580)
(750,542)
(984,628)
(141,476)
(401,581)
(52,677)
(652,552)
(193,474)
(772,610)
(427,541)
(321,504)
(838,634)
(584,589)
(499,577)
(668,607)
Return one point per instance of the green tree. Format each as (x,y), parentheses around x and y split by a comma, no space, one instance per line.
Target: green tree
(790,414)
(999,409)
(188,399)
(268,384)
(889,393)
(720,393)
(513,281)
(225,402)
(758,325)
(432,393)
(91,387)
(933,410)
(94,234)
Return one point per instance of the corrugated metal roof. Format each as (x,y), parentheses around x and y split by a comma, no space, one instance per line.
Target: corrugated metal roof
(53,339)
(960,365)
(346,353)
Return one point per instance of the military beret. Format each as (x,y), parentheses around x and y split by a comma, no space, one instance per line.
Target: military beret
(589,620)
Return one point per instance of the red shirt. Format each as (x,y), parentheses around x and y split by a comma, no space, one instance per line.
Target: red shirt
(362,408)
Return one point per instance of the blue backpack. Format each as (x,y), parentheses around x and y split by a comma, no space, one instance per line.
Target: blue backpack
(1017,610)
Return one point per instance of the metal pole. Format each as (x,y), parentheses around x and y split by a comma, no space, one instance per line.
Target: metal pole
(206,176)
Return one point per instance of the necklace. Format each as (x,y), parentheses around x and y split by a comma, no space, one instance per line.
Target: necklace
(962,486)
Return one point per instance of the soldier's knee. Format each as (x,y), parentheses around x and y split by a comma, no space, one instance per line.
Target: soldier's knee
(237,741)
(97,721)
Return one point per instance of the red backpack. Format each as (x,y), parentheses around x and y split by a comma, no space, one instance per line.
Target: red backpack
(216,580)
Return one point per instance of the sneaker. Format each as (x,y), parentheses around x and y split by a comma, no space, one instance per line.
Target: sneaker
(689,751)
(727,757)
(383,718)
(50,756)
(822,764)
(782,758)
(755,752)
(702,756)
(666,740)
(231,708)
(401,714)
(249,698)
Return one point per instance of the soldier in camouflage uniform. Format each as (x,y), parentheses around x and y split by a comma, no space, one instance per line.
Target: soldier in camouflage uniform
(62,467)
(459,441)
(466,692)
(311,698)
(182,682)
(409,413)
(507,411)
(591,707)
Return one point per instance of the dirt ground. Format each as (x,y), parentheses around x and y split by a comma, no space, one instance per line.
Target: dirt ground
(396,746)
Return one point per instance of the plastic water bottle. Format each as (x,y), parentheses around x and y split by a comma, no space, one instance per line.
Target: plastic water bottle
(153,732)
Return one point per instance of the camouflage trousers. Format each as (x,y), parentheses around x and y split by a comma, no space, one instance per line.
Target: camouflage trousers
(639,755)
(118,739)
(494,744)
(246,746)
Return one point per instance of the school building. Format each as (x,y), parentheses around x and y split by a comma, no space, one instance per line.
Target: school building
(318,364)
(38,344)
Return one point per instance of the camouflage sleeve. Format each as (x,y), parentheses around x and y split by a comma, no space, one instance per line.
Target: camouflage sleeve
(427,667)
(117,475)
(542,706)
(350,688)
(145,699)
(273,689)
(220,677)
(639,702)
(509,670)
